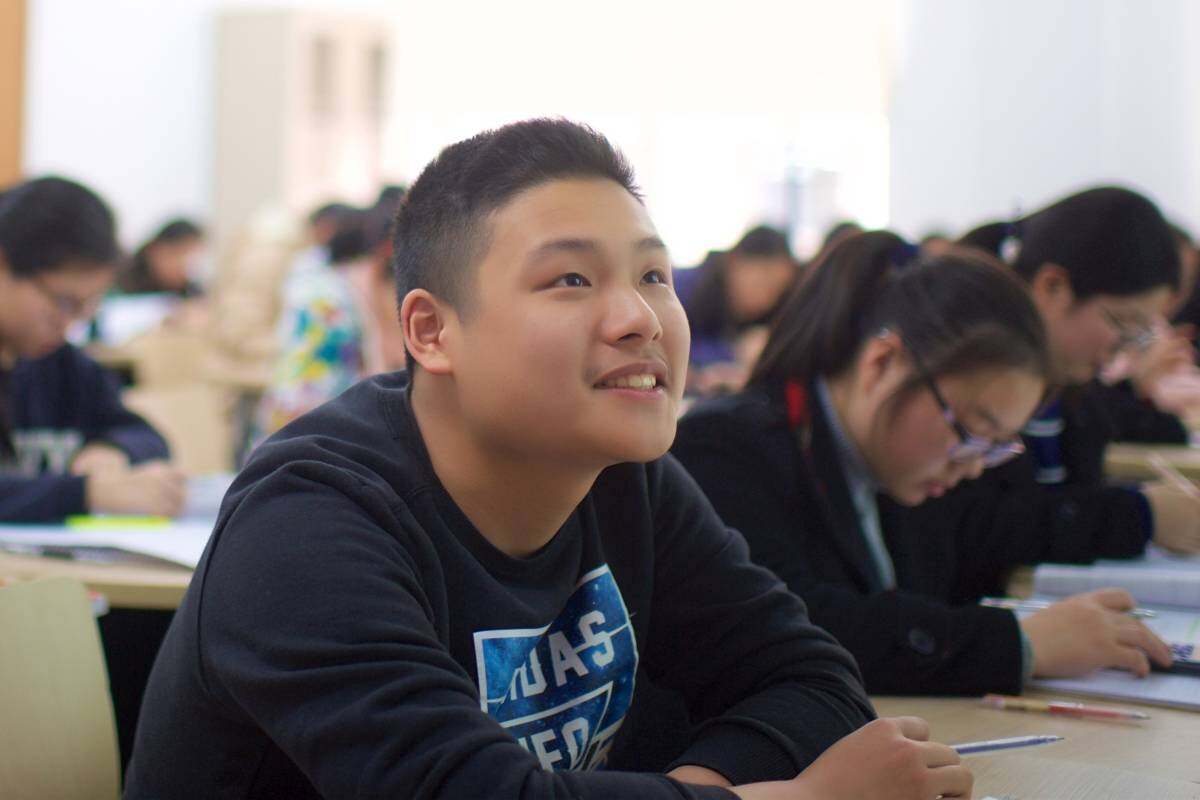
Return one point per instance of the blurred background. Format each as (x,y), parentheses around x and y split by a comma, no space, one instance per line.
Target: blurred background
(919,114)
(220,131)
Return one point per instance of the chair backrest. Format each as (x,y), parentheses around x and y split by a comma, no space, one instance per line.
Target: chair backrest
(196,420)
(57,734)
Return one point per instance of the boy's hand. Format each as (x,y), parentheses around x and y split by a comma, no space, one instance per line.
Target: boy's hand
(154,488)
(888,759)
(99,457)
(1088,631)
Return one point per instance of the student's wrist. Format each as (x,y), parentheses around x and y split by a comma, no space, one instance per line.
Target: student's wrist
(698,776)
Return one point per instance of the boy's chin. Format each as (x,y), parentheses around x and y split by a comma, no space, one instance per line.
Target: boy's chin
(628,448)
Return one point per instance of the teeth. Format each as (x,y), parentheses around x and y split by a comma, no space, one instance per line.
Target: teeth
(644,382)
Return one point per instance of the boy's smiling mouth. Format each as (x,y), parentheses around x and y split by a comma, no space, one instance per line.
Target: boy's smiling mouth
(640,377)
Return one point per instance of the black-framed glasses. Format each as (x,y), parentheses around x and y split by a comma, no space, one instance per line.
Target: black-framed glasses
(970,446)
(1137,337)
(67,305)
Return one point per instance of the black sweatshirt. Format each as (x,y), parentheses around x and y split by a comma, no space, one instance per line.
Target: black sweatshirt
(54,406)
(346,620)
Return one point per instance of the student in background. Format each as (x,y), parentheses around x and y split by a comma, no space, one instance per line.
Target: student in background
(1184,308)
(167,262)
(323,224)
(322,329)
(733,300)
(886,382)
(1100,266)
(67,445)
(443,583)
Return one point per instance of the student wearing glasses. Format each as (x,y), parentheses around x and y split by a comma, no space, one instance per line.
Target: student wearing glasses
(1101,267)
(67,444)
(886,381)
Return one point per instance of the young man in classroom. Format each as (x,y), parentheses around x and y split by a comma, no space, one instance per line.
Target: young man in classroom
(448,582)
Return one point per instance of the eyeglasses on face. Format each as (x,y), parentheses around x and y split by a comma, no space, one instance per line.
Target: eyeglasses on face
(68,306)
(969,447)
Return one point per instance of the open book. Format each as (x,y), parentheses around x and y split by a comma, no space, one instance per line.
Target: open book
(1166,583)
(1182,630)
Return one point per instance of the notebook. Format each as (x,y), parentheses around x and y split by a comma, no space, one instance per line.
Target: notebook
(1156,579)
(1179,628)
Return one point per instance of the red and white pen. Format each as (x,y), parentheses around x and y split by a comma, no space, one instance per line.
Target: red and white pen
(1060,707)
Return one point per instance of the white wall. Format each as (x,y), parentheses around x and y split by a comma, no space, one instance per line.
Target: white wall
(1000,106)
(716,106)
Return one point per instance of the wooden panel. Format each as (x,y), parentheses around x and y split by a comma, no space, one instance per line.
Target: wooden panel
(12,88)
(58,738)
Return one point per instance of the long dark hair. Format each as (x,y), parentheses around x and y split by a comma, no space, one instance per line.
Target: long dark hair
(1110,240)
(960,312)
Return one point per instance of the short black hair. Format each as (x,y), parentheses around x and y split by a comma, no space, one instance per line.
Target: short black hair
(332,211)
(440,231)
(763,241)
(49,221)
(176,230)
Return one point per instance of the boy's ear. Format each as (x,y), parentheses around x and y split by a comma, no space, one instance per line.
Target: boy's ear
(428,325)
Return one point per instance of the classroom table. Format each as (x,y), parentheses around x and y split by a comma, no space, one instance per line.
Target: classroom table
(1125,461)
(1098,760)
(126,586)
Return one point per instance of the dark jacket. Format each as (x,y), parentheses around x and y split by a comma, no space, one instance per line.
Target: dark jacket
(792,504)
(1005,518)
(349,633)
(53,406)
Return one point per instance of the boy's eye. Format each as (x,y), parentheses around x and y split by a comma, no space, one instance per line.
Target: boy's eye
(655,276)
(572,280)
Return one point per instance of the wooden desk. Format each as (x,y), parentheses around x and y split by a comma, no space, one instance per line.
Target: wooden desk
(1129,461)
(1098,760)
(125,586)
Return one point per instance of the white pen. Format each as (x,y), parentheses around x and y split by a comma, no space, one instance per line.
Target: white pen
(967,748)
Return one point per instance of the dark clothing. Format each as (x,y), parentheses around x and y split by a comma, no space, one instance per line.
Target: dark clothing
(55,405)
(1005,518)
(1136,420)
(792,504)
(349,633)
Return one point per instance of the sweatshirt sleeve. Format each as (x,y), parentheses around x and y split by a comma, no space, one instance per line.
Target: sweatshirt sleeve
(904,643)
(108,420)
(771,690)
(41,498)
(317,622)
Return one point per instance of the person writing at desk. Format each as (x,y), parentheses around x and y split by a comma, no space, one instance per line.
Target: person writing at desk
(886,381)
(67,444)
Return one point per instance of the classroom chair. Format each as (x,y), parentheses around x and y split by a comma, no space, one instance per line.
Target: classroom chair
(58,738)
(196,419)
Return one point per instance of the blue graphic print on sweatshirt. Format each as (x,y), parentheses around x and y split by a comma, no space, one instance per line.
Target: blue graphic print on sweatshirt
(563,690)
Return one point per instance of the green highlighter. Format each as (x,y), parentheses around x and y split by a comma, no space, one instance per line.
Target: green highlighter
(88,522)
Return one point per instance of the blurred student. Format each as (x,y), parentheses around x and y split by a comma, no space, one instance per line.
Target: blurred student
(167,263)
(886,382)
(735,295)
(322,329)
(1101,266)
(449,582)
(67,445)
